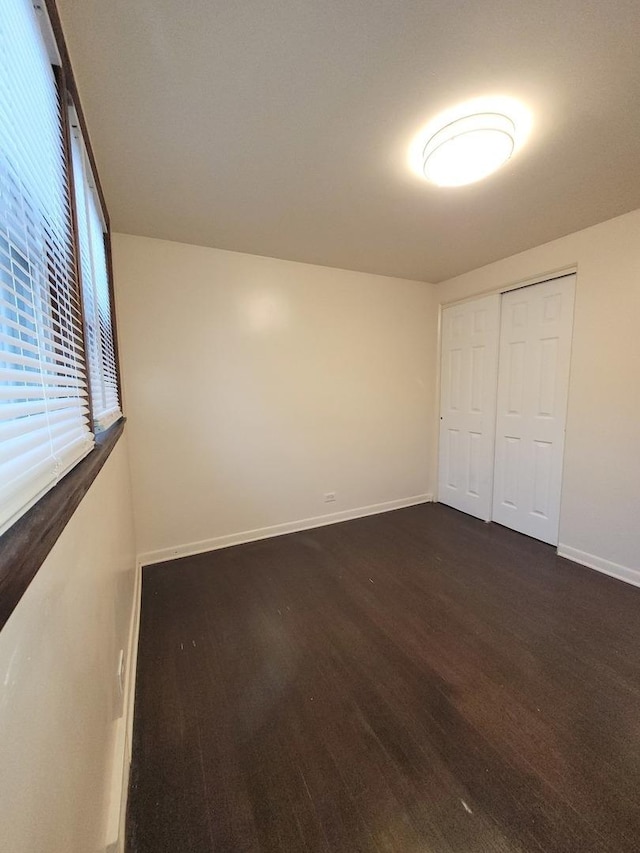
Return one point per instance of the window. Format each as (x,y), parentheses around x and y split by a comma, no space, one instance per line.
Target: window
(58,374)
(101,357)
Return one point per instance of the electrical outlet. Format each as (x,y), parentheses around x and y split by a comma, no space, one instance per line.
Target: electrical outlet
(329,497)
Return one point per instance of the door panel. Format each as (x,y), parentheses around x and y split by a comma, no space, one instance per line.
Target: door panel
(469,369)
(533,382)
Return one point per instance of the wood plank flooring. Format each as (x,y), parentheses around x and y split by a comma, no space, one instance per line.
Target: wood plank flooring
(414,682)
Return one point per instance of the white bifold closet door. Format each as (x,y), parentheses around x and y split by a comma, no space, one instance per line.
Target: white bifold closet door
(470,334)
(503,400)
(533,384)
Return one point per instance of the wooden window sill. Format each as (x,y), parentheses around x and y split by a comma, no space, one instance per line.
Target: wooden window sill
(26,544)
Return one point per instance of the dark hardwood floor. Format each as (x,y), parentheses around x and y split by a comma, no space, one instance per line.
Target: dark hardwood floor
(415,682)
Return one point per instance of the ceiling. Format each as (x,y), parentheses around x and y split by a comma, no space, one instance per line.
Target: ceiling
(282,127)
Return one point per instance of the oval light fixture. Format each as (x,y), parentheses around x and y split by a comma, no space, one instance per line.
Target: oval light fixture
(468,149)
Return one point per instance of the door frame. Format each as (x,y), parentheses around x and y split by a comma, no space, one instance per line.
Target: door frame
(505,288)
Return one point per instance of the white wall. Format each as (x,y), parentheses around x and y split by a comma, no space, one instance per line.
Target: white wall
(58,661)
(253,386)
(600,511)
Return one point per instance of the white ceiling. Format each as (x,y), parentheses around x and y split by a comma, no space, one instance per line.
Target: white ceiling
(281,127)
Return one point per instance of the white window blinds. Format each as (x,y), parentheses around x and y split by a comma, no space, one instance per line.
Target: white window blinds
(95,289)
(43,397)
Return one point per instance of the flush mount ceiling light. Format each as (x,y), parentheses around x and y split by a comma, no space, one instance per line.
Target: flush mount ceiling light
(468,149)
(469,141)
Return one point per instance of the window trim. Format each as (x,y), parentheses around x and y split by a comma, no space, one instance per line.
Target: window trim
(27,543)
(72,89)
(69,93)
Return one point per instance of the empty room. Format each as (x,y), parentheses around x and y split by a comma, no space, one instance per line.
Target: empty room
(319,426)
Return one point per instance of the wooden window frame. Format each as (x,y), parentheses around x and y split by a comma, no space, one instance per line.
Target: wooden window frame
(26,544)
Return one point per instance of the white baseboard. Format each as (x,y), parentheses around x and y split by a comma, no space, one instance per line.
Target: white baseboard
(123,736)
(132,666)
(623,573)
(114,836)
(217,542)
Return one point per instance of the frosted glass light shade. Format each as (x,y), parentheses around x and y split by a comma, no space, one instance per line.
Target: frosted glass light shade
(468,149)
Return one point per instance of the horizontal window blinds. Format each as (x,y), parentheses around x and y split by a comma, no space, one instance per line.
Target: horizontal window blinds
(43,389)
(95,290)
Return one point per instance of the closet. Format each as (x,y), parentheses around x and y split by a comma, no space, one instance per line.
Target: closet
(503,401)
